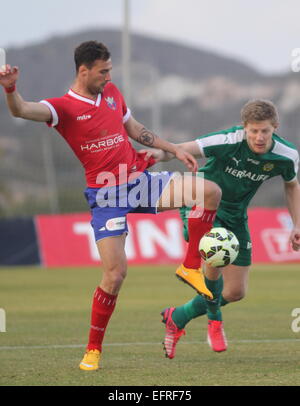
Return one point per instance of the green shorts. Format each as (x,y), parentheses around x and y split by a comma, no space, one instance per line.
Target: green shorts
(239,228)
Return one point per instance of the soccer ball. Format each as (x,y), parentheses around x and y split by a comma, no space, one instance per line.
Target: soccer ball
(219,247)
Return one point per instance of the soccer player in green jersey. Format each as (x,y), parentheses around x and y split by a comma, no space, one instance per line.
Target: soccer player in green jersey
(240,159)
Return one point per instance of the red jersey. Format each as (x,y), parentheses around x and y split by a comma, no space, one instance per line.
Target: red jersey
(95,131)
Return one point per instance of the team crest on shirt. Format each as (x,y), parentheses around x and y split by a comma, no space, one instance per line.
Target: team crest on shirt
(268,167)
(111,103)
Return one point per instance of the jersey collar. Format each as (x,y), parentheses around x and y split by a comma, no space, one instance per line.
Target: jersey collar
(85,99)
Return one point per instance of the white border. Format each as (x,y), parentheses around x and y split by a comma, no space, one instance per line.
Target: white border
(287,152)
(127,116)
(53,112)
(233,137)
(84,99)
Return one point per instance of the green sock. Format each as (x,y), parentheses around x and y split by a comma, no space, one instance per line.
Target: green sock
(185,313)
(197,306)
(213,307)
(223,302)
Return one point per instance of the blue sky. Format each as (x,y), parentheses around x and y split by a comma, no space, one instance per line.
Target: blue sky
(262,33)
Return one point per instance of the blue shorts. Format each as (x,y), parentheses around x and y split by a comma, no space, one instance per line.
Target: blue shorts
(110,205)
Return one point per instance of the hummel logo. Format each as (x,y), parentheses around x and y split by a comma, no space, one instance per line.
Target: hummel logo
(84,117)
(236,161)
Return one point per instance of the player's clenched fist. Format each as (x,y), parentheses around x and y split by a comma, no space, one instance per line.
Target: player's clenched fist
(9,76)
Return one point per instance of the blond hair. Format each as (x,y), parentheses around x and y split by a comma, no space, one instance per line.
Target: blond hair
(259,110)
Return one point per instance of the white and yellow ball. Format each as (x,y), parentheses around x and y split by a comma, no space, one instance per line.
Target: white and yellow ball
(219,247)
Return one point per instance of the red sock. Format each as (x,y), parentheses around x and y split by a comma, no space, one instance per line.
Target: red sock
(200,221)
(102,308)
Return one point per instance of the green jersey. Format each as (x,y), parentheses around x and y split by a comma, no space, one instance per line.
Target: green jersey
(239,171)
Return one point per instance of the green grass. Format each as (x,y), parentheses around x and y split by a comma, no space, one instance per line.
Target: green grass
(49,308)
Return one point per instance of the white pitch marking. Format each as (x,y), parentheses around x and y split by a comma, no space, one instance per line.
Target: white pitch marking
(58,346)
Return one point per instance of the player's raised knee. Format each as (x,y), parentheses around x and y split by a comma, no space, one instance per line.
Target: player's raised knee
(212,194)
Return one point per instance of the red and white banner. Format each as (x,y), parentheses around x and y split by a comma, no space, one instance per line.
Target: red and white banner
(68,240)
(270,232)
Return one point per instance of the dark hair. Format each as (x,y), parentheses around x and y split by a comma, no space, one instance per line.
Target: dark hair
(259,110)
(88,52)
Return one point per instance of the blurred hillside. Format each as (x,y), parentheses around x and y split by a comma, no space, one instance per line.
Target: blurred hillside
(179,92)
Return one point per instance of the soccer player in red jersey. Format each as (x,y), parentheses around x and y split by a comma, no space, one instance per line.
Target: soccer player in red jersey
(94,120)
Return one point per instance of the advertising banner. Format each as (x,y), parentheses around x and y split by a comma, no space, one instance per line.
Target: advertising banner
(68,240)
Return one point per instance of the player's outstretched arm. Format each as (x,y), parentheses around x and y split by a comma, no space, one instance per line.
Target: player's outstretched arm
(141,134)
(192,148)
(292,191)
(17,106)
(162,156)
(158,154)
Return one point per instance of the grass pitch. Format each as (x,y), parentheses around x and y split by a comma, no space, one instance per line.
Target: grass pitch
(48,311)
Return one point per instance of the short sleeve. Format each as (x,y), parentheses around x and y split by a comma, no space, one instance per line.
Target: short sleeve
(55,105)
(289,157)
(219,144)
(291,169)
(126,111)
